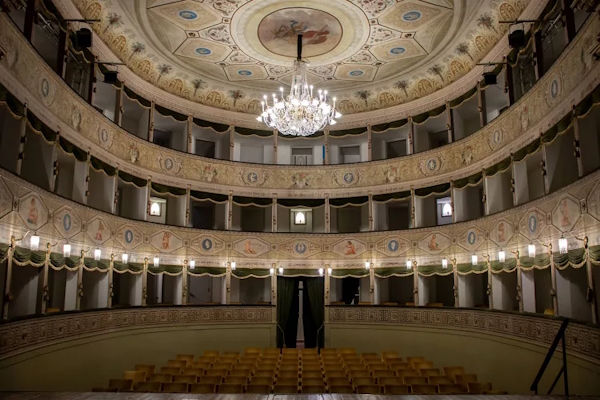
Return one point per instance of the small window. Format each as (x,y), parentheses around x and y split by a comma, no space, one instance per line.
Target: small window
(155,209)
(300,218)
(446,210)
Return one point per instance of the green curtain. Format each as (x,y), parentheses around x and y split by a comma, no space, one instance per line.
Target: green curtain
(348,132)
(70,148)
(314,290)
(380,128)
(242,273)
(287,289)
(220,128)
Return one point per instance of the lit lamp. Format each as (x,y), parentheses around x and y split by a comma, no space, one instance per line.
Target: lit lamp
(474,259)
(67,250)
(444,263)
(192,264)
(563,245)
(531,250)
(97,254)
(367,265)
(34,243)
(320,271)
(329,270)
(501,256)
(280,270)
(272,271)
(156,261)
(408,264)
(232,264)
(124,258)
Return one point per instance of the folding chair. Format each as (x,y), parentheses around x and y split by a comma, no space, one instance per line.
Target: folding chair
(189,379)
(147,387)
(424,389)
(258,389)
(175,387)
(313,389)
(440,380)
(285,389)
(202,388)
(479,387)
(160,378)
(368,389)
(122,385)
(230,388)
(452,388)
(396,389)
(147,368)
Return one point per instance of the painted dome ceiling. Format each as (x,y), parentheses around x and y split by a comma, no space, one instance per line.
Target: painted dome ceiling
(371,54)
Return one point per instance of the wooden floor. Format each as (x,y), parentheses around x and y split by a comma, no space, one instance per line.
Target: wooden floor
(189,396)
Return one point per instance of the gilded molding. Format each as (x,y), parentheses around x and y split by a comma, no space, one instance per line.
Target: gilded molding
(24,74)
(582,340)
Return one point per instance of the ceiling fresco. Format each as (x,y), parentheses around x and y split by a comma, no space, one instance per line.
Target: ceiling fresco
(371,54)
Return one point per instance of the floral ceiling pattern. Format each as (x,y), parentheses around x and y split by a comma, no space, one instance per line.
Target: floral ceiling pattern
(371,54)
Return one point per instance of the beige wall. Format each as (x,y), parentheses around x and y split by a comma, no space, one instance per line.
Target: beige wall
(507,363)
(84,363)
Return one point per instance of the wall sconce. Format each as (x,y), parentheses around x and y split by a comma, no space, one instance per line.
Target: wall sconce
(280,270)
(563,245)
(444,263)
(192,264)
(156,261)
(501,256)
(367,265)
(232,265)
(474,259)
(272,271)
(124,258)
(67,250)
(531,250)
(34,243)
(97,254)
(408,264)
(320,271)
(329,271)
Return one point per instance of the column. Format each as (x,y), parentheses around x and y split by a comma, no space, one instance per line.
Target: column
(484,198)
(275,137)
(45,291)
(412,208)
(148,194)
(568,20)
(54,163)
(326,161)
(274,291)
(8,296)
(231,137)
(184,283)
(372,284)
(553,280)
(87,179)
(79,282)
(538,55)
(450,122)
(371,220)
(370,143)
(23,132)
(229,210)
(519,282)
(544,172)
(111,293)
(228,283)
(327,215)
(151,122)
(576,146)
(188,201)
(508,82)
(590,279)
(489,285)
(145,281)
(415,284)
(92,80)
(30,16)
(190,122)
(452,201)
(455,278)
(115,191)
(481,106)
(63,49)
(274,214)
(119,105)
(327,284)
(411,136)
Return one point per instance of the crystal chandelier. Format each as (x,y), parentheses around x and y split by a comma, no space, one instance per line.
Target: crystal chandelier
(299,113)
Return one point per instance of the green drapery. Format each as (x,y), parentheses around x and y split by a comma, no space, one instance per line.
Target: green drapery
(574,258)
(540,261)
(243,273)
(468,181)
(127,178)
(309,203)
(421,118)
(433,190)
(393,271)
(429,270)
(212,197)
(134,268)
(168,190)
(14,105)
(500,167)
(37,126)
(170,113)
(350,272)
(210,271)
(101,166)
(252,201)
(398,196)
(70,148)
(92,265)
(469,268)
(507,266)
(347,132)
(132,95)
(461,99)
(314,291)
(380,128)
(349,201)
(287,292)
(249,132)
(23,256)
(219,128)
(300,272)
(165,269)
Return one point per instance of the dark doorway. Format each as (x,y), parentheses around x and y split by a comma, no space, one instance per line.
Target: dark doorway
(205,148)
(203,216)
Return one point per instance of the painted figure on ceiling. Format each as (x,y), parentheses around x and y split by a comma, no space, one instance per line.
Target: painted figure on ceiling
(248,247)
(350,249)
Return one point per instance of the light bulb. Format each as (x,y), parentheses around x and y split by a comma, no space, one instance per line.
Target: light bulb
(474,259)
(67,250)
(280,270)
(272,271)
(367,265)
(531,250)
(444,263)
(156,261)
(408,264)
(192,264)
(320,271)
(34,243)
(563,246)
(97,254)
(124,258)
(329,270)
(233,265)
(501,256)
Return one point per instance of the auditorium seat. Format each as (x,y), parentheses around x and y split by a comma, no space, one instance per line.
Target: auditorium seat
(181,364)
(424,389)
(147,368)
(287,381)
(202,388)
(441,380)
(312,374)
(389,380)
(147,387)
(260,380)
(415,380)
(160,378)
(453,371)
(429,372)
(230,388)
(135,376)
(285,389)
(214,380)
(341,389)
(396,389)
(479,387)
(313,389)
(122,385)
(311,381)
(368,389)
(189,379)
(452,388)
(175,387)
(188,358)
(465,379)
(258,389)
(170,370)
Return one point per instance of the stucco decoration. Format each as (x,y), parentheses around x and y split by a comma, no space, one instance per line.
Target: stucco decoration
(207,244)
(105,137)
(129,237)
(566,213)
(6,199)
(166,241)
(434,243)
(67,222)
(136,156)
(203,51)
(533,223)
(98,230)
(349,248)
(502,232)
(471,238)
(301,248)
(47,89)
(170,165)
(33,211)
(393,246)
(251,247)
(430,166)
(253,177)
(347,178)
